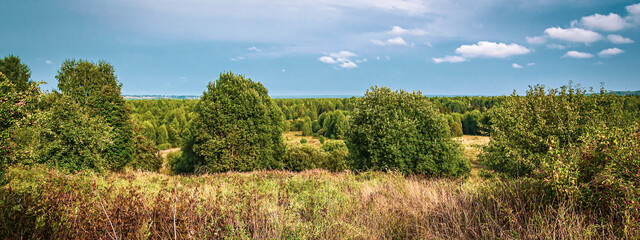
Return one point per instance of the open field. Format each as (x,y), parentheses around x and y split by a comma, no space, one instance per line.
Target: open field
(472,147)
(315,204)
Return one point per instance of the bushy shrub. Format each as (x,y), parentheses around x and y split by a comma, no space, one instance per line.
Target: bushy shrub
(303,157)
(15,115)
(71,138)
(527,128)
(577,146)
(238,127)
(336,156)
(303,140)
(402,131)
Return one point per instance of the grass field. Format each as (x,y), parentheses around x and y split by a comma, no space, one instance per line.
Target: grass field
(316,204)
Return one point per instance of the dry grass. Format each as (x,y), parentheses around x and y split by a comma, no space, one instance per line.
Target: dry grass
(472,147)
(315,204)
(293,138)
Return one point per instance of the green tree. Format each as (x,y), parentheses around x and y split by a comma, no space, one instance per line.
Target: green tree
(16,72)
(238,127)
(96,88)
(402,131)
(162,134)
(73,139)
(15,114)
(306,127)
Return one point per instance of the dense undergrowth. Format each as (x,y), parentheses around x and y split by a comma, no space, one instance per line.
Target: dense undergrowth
(316,204)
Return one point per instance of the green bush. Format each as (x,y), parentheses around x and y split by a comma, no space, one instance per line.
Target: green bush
(71,138)
(164,146)
(402,131)
(303,140)
(336,153)
(321,140)
(303,157)
(527,128)
(237,127)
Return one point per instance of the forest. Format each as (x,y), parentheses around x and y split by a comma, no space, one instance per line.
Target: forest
(81,162)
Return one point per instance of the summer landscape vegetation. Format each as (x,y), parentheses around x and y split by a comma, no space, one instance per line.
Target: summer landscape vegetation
(81,162)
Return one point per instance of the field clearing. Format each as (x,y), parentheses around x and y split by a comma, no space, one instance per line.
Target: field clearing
(294,137)
(472,147)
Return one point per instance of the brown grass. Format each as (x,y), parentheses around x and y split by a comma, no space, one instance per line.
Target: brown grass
(315,204)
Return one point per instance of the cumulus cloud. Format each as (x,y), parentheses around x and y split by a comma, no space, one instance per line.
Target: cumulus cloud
(48,61)
(611,22)
(614,38)
(342,59)
(573,34)
(536,40)
(397,30)
(556,46)
(576,54)
(515,65)
(254,49)
(610,52)
(633,9)
(391,41)
(449,59)
(491,50)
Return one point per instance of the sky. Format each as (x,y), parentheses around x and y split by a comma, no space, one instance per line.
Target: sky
(333,47)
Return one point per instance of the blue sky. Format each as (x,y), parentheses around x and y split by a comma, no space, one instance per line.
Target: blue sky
(342,47)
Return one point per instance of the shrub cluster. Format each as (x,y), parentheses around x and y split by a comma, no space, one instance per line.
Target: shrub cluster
(577,145)
(402,131)
(332,156)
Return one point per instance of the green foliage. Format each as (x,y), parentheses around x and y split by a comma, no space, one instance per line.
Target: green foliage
(303,140)
(238,127)
(526,129)
(17,73)
(322,139)
(306,127)
(174,114)
(577,146)
(96,88)
(16,115)
(402,131)
(334,124)
(71,138)
(303,157)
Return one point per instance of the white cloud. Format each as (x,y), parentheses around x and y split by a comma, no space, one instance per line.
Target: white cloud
(633,9)
(48,61)
(573,34)
(284,70)
(235,59)
(515,65)
(397,30)
(342,58)
(327,59)
(348,64)
(491,50)
(531,64)
(449,59)
(576,54)
(254,49)
(611,22)
(614,38)
(536,40)
(391,41)
(610,52)
(556,46)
